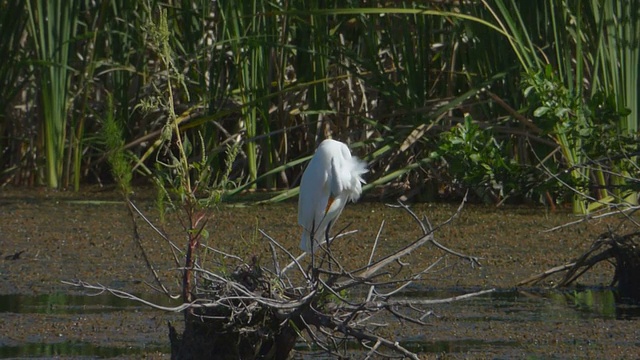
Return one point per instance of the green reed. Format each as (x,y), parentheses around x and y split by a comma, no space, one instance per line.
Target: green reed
(52,26)
(279,77)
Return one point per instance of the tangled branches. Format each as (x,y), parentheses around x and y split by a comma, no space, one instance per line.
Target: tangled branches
(259,311)
(624,250)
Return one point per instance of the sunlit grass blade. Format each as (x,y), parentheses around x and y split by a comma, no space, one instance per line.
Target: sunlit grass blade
(52,25)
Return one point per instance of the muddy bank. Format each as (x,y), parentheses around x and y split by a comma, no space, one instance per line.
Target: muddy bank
(88,236)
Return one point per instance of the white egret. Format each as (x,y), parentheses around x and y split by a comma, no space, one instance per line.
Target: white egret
(332,178)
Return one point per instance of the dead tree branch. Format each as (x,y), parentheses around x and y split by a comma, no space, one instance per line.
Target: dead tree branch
(623,251)
(261,312)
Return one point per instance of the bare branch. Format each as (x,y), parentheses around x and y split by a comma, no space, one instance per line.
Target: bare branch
(136,235)
(372,269)
(301,256)
(588,217)
(243,299)
(539,277)
(295,261)
(435,301)
(394,345)
(373,350)
(157,230)
(375,243)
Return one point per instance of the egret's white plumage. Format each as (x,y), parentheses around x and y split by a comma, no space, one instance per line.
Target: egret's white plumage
(332,178)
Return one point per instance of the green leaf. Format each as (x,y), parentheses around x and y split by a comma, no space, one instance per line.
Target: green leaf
(528,90)
(541,111)
(562,112)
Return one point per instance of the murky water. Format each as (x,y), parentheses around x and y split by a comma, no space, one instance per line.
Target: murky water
(89,237)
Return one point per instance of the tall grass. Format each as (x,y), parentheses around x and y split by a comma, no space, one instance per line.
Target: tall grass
(247,28)
(113,138)
(580,61)
(279,77)
(12,70)
(52,25)
(13,75)
(615,33)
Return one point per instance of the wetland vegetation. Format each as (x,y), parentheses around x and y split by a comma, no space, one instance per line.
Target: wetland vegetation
(214,102)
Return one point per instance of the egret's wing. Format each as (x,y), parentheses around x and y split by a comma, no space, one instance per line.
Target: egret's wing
(313,199)
(347,173)
(312,202)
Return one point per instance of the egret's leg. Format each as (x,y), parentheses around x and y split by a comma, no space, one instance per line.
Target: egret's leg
(313,261)
(313,238)
(313,235)
(326,236)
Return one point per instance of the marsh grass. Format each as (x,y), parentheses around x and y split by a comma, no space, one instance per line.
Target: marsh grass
(119,162)
(272,79)
(562,79)
(186,184)
(52,27)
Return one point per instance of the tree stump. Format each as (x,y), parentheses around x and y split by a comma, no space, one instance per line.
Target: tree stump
(234,329)
(627,274)
(625,252)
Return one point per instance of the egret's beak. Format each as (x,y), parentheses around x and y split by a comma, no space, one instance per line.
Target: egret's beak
(331,199)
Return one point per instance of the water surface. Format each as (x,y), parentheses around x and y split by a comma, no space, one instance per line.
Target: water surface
(89,237)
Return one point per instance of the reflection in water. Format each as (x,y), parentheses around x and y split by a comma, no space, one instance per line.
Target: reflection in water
(454,346)
(468,321)
(43,324)
(76,349)
(599,302)
(60,303)
(586,303)
(503,306)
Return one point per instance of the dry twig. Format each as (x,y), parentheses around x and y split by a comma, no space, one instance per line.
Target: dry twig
(267,312)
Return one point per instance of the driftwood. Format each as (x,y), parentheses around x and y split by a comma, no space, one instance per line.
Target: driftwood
(622,250)
(259,311)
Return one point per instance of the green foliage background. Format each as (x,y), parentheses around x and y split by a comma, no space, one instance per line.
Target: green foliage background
(514,99)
